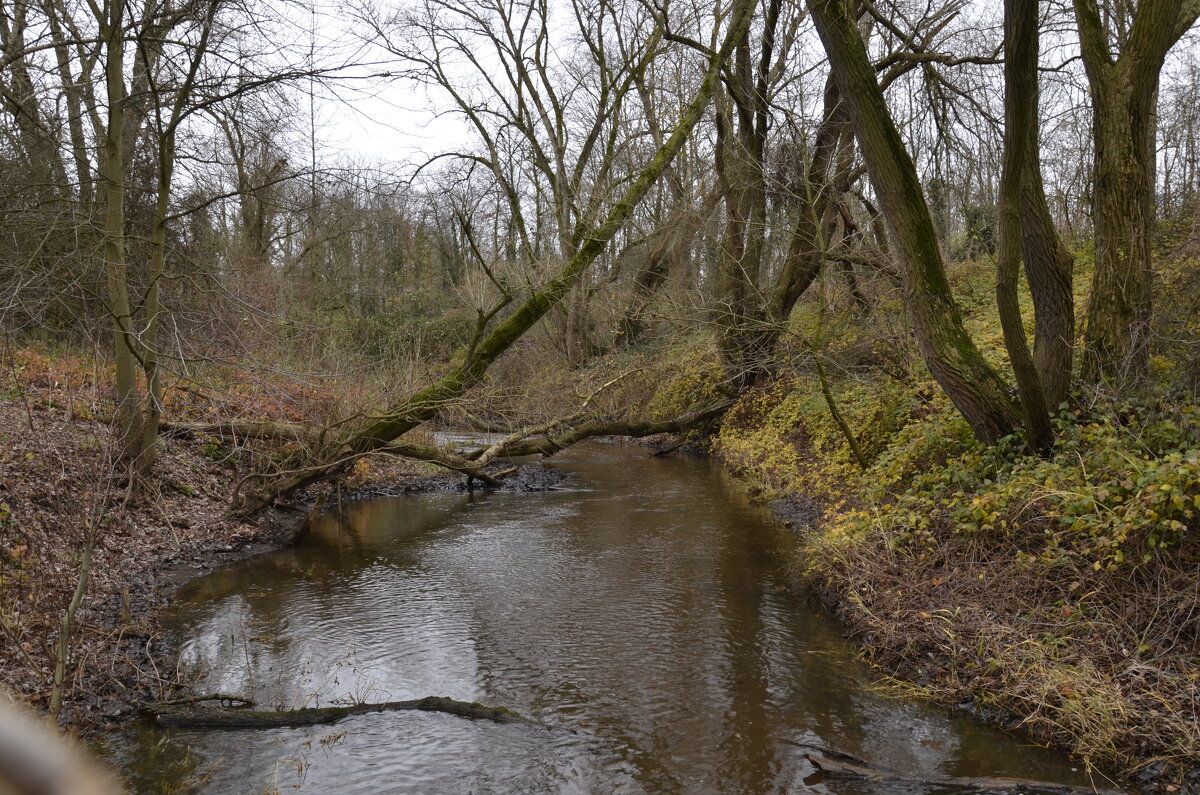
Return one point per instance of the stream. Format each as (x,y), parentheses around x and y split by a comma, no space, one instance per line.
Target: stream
(642,610)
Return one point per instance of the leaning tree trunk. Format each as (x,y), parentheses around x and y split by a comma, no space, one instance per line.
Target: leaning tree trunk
(470,364)
(820,191)
(974,387)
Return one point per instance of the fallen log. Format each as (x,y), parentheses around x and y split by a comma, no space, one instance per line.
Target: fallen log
(246,429)
(550,443)
(447,460)
(220,718)
(839,764)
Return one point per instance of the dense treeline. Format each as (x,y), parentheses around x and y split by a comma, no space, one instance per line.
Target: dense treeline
(165,180)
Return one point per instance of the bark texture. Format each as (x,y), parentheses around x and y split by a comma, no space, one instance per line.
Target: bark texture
(975,388)
(1124,93)
(1020,117)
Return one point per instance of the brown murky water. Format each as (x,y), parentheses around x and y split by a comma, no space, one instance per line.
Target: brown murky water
(643,609)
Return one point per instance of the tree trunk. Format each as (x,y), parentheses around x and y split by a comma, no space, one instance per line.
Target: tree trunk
(1049,268)
(806,250)
(38,143)
(1123,90)
(976,390)
(1118,314)
(1020,116)
(669,248)
(739,160)
(73,96)
(128,426)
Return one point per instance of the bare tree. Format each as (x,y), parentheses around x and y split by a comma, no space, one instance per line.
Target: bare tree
(472,361)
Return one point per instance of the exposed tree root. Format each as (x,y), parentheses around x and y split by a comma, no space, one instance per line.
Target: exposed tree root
(220,718)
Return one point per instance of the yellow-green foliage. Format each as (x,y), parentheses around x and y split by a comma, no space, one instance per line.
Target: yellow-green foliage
(1112,493)
(1058,588)
(688,376)
(784,438)
(1122,482)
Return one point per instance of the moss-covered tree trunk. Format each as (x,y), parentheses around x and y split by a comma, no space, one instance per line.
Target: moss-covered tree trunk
(1020,116)
(1118,314)
(470,364)
(975,388)
(1123,91)
(1049,267)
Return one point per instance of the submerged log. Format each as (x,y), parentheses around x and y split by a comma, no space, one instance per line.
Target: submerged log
(221,718)
(839,764)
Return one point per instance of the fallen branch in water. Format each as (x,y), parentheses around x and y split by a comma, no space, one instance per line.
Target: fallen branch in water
(219,718)
(445,459)
(539,442)
(225,698)
(843,765)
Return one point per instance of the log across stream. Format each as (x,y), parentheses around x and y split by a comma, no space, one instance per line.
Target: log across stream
(643,606)
(206,717)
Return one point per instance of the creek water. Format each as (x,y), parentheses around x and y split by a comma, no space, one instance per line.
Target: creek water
(643,610)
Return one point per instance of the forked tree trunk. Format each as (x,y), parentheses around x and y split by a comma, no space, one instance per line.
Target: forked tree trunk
(1020,116)
(975,388)
(1123,91)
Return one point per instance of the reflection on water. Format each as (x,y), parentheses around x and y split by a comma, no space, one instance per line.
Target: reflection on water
(644,614)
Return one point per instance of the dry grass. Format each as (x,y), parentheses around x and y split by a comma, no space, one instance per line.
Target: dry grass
(1102,663)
